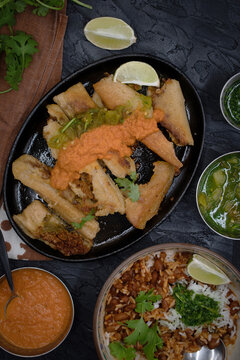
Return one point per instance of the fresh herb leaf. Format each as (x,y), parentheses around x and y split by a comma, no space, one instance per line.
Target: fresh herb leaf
(19,50)
(149,337)
(7,14)
(145,301)
(129,187)
(20,6)
(133,176)
(139,333)
(153,342)
(88,217)
(195,309)
(121,352)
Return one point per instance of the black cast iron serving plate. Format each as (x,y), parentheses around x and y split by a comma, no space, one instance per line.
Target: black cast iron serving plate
(116,232)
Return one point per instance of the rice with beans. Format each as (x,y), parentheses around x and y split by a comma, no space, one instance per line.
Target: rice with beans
(161,272)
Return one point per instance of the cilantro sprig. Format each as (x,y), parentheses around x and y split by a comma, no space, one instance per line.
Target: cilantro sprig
(129,187)
(20,47)
(88,217)
(147,336)
(18,50)
(121,352)
(145,301)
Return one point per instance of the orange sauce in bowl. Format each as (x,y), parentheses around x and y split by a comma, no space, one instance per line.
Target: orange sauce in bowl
(41,315)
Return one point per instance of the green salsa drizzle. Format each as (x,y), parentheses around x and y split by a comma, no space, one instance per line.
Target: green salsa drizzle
(232,103)
(88,120)
(94,118)
(219,195)
(195,309)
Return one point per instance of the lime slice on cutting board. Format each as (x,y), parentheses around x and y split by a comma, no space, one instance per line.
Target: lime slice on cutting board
(137,72)
(109,33)
(205,271)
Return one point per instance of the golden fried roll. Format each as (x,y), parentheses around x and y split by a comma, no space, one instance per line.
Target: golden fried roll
(36,175)
(115,93)
(109,197)
(39,223)
(49,131)
(75,100)
(120,166)
(163,148)
(56,113)
(151,195)
(97,99)
(170,99)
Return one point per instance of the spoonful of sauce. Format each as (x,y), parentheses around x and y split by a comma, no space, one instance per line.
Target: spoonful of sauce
(219,353)
(7,270)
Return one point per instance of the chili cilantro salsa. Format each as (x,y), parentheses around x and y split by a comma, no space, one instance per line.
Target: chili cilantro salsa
(219,195)
(232,103)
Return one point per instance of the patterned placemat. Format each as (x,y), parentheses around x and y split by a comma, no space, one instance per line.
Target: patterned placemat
(16,248)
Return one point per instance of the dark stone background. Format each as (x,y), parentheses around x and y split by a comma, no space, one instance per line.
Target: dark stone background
(202,39)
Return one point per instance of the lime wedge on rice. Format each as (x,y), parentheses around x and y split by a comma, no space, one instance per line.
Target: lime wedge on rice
(109,33)
(205,271)
(137,72)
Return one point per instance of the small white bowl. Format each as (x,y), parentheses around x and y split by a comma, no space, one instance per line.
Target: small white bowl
(227,85)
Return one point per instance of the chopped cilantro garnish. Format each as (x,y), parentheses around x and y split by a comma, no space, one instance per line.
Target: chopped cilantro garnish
(145,301)
(88,217)
(129,186)
(195,309)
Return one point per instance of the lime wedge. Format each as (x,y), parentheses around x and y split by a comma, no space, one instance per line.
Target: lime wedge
(137,72)
(205,271)
(109,33)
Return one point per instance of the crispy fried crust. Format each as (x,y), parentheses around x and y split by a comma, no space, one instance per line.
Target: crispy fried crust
(50,130)
(56,113)
(115,93)
(109,197)
(170,99)
(163,148)
(75,100)
(151,195)
(34,174)
(120,167)
(39,223)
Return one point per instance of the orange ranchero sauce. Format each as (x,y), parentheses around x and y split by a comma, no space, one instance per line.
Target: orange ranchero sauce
(99,142)
(41,313)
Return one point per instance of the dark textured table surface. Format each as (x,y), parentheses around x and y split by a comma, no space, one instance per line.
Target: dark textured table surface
(202,39)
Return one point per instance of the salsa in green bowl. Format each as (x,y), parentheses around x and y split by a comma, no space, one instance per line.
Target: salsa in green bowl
(218,195)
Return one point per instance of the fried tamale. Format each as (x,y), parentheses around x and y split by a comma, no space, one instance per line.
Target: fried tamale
(36,175)
(120,166)
(114,94)
(158,143)
(75,100)
(56,113)
(109,197)
(169,98)
(39,223)
(151,195)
